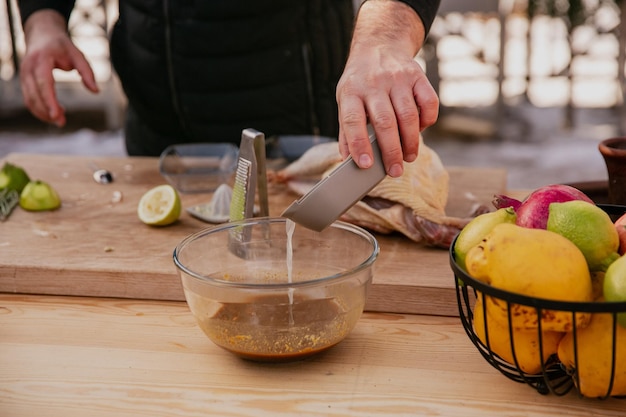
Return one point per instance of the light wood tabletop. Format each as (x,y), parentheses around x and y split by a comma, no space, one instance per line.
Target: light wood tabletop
(88,356)
(107,333)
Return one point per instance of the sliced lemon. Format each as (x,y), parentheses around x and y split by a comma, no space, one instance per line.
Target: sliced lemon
(39,196)
(159,206)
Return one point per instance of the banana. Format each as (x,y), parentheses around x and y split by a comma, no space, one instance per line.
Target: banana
(526,351)
(594,348)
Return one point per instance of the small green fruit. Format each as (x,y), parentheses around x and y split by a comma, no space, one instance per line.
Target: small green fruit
(589,227)
(615,285)
(39,196)
(474,232)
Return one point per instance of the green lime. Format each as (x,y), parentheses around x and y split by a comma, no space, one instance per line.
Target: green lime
(589,227)
(614,286)
(39,196)
(13,177)
(474,231)
(159,206)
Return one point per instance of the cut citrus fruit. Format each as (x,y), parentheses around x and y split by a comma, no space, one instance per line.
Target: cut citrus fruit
(159,206)
(39,196)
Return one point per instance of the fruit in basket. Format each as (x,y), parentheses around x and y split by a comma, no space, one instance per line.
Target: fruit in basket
(532,212)
(477,228)
(526,345)
(620,226)
(594,348)
(614,285)
(590,228)
(597,283)
(536,263)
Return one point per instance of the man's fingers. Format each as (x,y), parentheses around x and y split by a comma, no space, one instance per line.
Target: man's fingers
(33,100)
(39,94)
(47,95)
(33,95)
(354,137)
(427,102)
(408,121)
(382,116)
(80,63)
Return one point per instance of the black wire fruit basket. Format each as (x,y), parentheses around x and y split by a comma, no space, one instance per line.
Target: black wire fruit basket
(589,358)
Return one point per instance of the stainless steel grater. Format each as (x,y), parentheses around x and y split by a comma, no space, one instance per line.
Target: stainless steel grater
(250,178)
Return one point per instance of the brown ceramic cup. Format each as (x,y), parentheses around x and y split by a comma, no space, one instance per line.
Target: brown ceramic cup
(613,151)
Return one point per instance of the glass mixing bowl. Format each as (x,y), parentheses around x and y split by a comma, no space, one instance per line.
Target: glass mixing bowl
(269,290)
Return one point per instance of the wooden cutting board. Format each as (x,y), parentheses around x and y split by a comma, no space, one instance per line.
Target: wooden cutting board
(95,245)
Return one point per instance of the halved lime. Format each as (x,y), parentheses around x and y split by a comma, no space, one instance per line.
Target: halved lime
(38,196)
(159,206)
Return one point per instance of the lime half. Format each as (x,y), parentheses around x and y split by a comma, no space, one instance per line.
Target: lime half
(159,206)
(39,196)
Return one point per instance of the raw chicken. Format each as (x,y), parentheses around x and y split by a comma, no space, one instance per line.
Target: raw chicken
(413,204)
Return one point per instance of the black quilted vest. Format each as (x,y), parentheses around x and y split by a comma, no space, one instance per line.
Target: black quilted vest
(203,70)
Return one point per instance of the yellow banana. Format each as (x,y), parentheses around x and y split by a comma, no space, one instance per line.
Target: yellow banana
(594,346)
(525,342)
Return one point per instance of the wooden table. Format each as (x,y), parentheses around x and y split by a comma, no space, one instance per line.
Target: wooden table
(71,351)
(88,356)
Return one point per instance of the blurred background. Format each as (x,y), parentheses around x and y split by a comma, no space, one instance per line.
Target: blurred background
(530,86)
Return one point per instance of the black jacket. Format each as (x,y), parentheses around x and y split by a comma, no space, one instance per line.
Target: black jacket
(201,71)
(205,70)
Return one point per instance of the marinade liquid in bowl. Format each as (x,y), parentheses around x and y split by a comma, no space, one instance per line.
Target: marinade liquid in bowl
(268,291)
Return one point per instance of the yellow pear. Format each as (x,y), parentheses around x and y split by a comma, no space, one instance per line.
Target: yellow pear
(594,346)
(525,342)
(536,263)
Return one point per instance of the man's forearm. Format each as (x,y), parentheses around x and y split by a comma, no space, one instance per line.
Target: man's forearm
(28,7)
(426,10)
(43,23)
(391,23)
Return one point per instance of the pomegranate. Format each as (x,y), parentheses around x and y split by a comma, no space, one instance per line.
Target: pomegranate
(532,212)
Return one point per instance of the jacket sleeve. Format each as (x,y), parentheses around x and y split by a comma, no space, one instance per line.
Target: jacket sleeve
(426,10)
(28,7)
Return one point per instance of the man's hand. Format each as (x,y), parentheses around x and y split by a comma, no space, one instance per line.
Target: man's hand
(48,46)
(383,84)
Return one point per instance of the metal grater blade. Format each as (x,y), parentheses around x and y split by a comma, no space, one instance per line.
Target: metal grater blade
(238,201)
(8,201)
(250,167)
